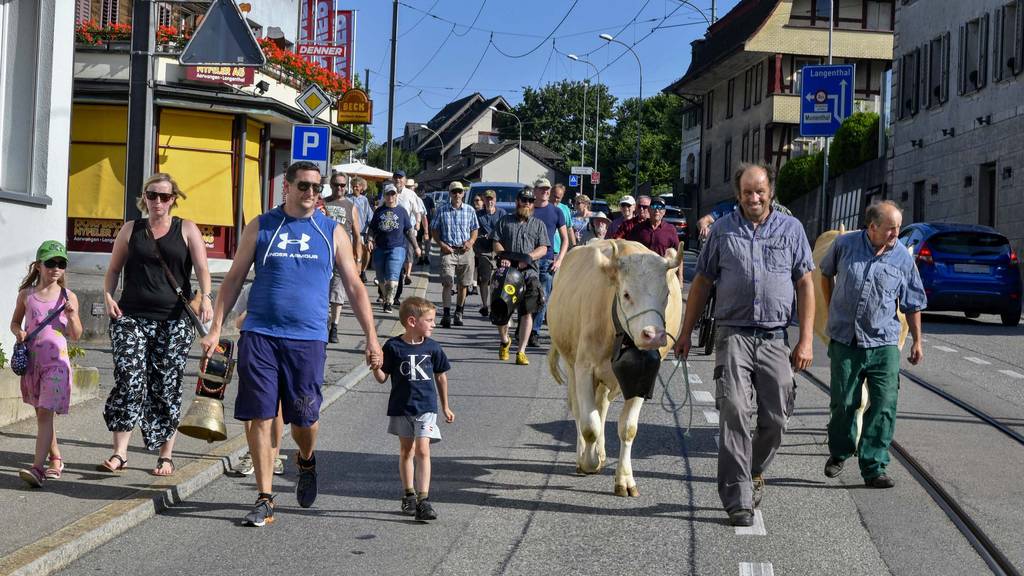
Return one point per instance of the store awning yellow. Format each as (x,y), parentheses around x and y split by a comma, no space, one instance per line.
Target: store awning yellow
(195,149)
(252,205)
(97,161)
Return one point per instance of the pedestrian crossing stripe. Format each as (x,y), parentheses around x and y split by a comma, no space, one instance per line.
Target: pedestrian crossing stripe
(711,416)
(756,569)
(756,530)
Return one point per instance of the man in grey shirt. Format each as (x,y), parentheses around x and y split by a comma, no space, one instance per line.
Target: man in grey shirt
(757,258)
(521,233)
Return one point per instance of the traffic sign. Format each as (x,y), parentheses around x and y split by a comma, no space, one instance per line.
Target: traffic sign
(223,38)
(312,143)
(574,181)
(595,177)
(582,170)
(826,98)
(313,101)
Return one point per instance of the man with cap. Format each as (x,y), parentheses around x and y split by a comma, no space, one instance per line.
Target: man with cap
(555,222)
(455,230)
(522,235)
(487,217)
(654,232)
(643,211)
(627,206)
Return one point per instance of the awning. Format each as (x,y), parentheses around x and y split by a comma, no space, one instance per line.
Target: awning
(364,171)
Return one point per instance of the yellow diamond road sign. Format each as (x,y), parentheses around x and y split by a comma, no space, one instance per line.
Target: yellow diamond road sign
(313,101)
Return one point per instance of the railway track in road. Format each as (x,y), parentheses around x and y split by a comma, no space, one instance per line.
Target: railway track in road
(992,555)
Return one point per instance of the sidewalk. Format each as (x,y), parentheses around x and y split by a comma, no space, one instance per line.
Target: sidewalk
(50,527)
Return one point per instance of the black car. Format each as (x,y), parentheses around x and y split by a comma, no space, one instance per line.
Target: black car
(677,218)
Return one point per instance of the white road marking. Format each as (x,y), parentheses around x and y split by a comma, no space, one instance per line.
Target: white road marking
(711,416)
(976,360)
(716,436)
(695,379)
(756,569)
(1012,374)
(756,530)
(944,348)
(703,397)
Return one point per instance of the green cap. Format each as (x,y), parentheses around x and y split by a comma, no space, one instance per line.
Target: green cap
(51,249)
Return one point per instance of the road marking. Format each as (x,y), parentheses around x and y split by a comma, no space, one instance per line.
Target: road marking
(756,530)
(711,416)
(695,379)
(944,348)
(976,360)
(703,397)
(716,436)
(756,569)
(1012,374)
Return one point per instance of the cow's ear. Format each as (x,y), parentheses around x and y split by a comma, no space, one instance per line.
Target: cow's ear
(608,259)
(673,259)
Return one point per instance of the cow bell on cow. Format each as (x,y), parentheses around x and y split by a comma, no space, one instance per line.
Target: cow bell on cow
(509,284)
(635,369)
(205,417)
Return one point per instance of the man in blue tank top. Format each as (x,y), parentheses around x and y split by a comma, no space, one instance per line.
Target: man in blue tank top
(281,353)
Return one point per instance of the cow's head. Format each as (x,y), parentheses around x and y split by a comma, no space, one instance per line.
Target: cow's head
(641,292)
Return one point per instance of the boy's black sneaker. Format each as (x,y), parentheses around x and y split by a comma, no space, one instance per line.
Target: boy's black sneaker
(261,515)
(424,511)
(305,488)
(409,504)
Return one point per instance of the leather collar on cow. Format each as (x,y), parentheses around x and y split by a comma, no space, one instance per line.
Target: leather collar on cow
(634,368)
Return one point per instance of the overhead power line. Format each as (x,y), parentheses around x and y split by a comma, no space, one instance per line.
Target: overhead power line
(542,42)
(473,23)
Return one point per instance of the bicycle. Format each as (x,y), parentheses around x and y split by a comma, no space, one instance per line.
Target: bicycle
(706,326)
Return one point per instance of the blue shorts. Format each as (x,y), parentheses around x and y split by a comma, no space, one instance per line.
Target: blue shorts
(387,263)
(274,369)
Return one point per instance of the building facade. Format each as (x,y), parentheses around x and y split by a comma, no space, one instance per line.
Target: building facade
(958,112)
(746,74)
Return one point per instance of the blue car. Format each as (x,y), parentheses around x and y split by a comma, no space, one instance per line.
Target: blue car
(966,268)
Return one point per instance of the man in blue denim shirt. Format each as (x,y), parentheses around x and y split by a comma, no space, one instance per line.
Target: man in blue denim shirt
(757,258)
(865,276)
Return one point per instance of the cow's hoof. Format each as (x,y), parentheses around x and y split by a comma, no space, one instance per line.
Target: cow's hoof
(632,491)
(620,490)
(580,472)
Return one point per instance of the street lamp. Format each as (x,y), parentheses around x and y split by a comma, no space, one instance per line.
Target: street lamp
(519,157)
(639,110)
(597,117)
(425,127)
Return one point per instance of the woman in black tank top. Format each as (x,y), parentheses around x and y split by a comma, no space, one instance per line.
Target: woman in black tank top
(150,333)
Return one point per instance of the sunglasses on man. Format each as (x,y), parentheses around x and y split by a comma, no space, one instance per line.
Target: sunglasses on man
(304,186)
(337,184)
(163,196)
(56,263)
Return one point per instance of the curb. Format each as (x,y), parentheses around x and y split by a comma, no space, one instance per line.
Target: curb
(60,548)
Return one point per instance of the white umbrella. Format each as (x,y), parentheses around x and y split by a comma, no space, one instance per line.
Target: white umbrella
(360,169)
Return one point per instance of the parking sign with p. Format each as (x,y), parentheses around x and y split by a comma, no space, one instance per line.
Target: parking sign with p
(312,143)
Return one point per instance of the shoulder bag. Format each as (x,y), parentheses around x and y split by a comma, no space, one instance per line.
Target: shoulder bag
(192,307)
(19,356)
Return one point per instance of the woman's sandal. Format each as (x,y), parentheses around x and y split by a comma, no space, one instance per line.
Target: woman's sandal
(160,466)
(55,469)
(106,467)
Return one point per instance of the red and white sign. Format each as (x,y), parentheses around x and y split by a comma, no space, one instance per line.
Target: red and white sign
(321,50)
(595,177)
(326,35)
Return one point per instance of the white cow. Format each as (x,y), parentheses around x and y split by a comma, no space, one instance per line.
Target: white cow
(649,303)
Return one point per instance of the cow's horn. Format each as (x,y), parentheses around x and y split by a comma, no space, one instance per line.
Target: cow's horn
(673,259)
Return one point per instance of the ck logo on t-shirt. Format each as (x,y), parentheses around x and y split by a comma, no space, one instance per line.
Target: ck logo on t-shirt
(303,242)
(413,367)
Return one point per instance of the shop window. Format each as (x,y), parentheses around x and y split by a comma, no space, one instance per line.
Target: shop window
(938,71)
(974,55)
(730,97)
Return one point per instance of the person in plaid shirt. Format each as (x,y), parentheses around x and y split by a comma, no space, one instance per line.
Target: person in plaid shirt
(455,228)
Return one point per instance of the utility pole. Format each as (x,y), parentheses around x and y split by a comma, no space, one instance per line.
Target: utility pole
(139,161)
(821,207)
(366,127)
(391,87)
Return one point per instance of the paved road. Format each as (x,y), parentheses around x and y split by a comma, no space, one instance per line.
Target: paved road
(510,504)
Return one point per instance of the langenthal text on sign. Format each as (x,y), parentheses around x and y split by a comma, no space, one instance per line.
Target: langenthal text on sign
(321,50)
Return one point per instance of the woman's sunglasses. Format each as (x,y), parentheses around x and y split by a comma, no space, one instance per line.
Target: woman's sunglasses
(304,186)
(163,196)
(56,263)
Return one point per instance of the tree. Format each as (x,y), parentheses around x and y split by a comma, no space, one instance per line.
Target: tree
(660,141)
(798,177)
(553,116)
(855,142)
(377,156)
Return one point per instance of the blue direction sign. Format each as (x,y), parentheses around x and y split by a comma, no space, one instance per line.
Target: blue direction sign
(574,180)
(826,98)
(312,143)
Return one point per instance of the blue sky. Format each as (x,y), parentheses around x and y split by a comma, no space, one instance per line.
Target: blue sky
(436,58)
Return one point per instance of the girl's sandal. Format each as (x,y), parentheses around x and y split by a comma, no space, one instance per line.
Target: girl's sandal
(106,465)
(55,469)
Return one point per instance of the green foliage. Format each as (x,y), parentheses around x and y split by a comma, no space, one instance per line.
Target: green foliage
(377,156)
(76,353)
(660,141)
(798,177)
(855,142)
(3,357)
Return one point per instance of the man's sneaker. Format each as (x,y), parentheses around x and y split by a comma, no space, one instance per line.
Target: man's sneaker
(741,518)
(485,311)
(397,301)
(332,337)
(424,511)
(407,281)
(305,488)
(758,490)
(533,340)
(882,481)
(446,321)
(409,504)
(457,321)
(521,359)
(279,465)
(245,466)
(261,514)
(833,466)
(33,476)
(503,350)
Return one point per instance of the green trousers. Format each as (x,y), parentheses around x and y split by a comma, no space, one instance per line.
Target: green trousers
(877,368)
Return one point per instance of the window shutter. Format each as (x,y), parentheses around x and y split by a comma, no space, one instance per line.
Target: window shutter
(983,51)
(962,61)
(1018,42)
(898,70)
(997,46)
(83,10)
(944,87)
(924,66)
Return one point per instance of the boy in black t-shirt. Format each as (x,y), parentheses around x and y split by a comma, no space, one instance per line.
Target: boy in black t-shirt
(414,362)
